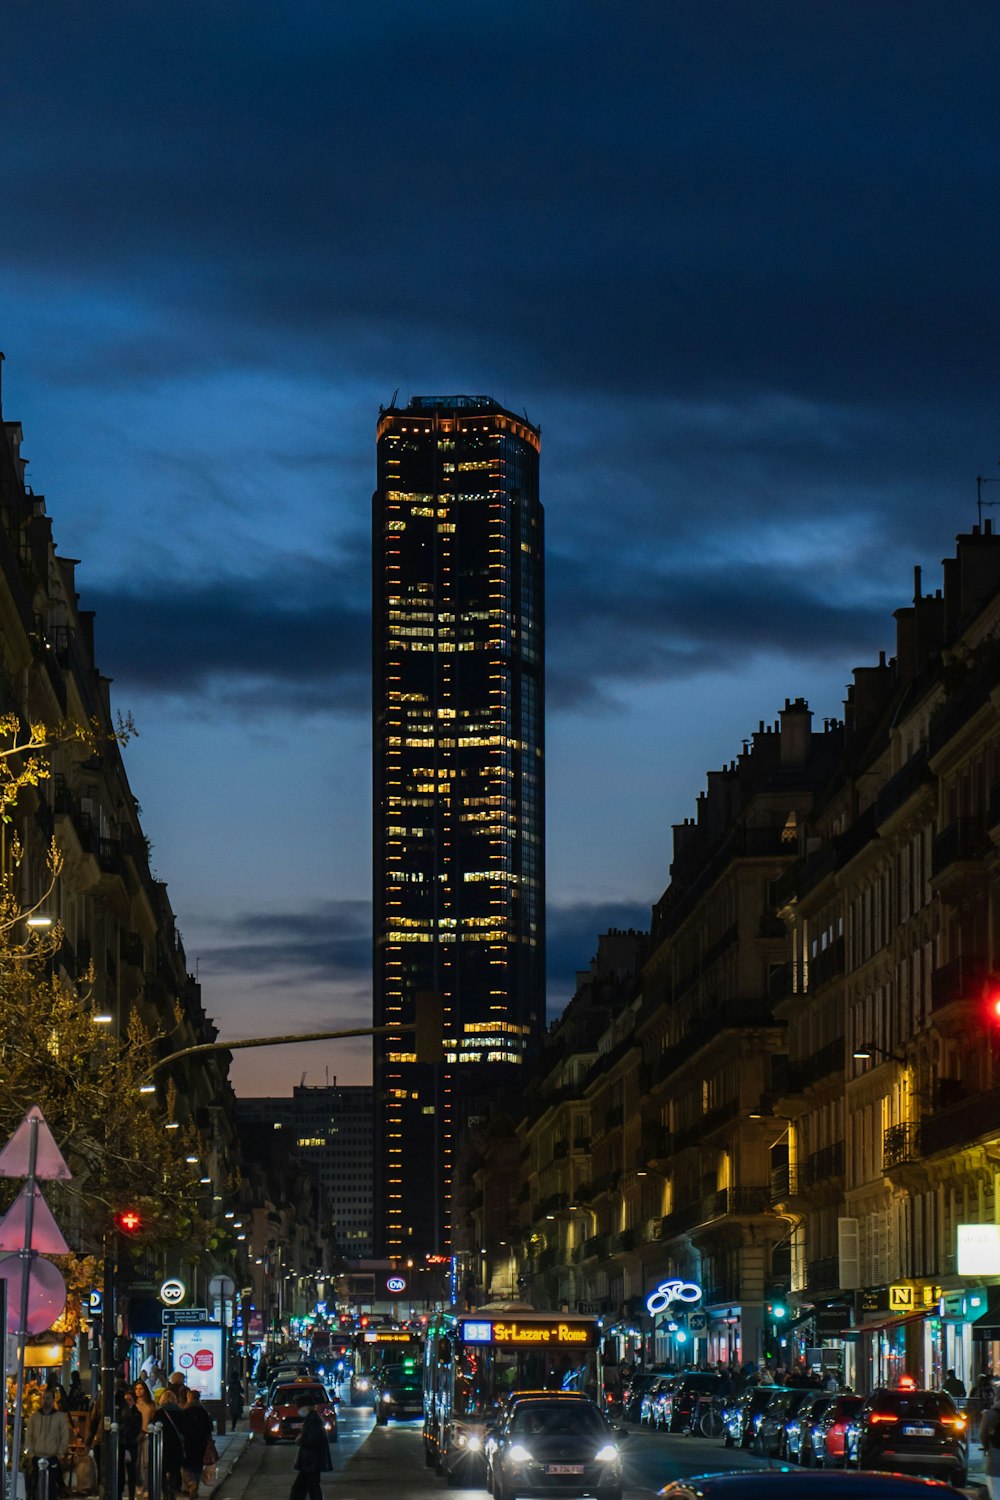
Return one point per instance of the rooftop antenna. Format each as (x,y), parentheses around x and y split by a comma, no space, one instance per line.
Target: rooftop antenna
(982,479)
(392,403)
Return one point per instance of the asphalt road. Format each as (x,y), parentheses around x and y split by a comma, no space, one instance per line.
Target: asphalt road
(387,1463)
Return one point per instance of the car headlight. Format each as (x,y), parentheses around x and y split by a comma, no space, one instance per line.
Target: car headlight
(607,1454)
(519,1454)
(475,1442)
(328,1424)
(386,1397)
(362,1385)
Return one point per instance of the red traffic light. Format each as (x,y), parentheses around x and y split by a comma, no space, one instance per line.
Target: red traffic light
(129,1220)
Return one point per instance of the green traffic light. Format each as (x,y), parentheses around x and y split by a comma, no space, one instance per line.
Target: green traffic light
(779,1311)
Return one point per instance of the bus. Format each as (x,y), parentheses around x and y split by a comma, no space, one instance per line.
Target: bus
(373,1347)
(473,1360)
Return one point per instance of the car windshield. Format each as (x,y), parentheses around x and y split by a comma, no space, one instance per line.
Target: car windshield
(568,1419)
(701,1382)
(931,1404)
(288,1395)
(397,1375)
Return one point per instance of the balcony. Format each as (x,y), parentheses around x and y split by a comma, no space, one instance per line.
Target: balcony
(960,707)
(784,1184)
(961,979)
(826,965)
(906,783)
(828,1061)
(957,856)
(732,1015)
(822,1165)
(737,1202)
(962,1124)
(627,1240)
(597,1246)
(900,1144)
(823,1275)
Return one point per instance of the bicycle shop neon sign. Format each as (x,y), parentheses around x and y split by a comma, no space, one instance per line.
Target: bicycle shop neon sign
(671,1291)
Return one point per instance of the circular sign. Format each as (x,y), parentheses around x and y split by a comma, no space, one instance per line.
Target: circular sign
(46,1293)
(395,1284)
(671,1291)
(172,1291)
(221,1286)
(186,1361)
(204,1359)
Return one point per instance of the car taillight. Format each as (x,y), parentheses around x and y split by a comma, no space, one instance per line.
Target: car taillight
(882,1416)
(956,1421)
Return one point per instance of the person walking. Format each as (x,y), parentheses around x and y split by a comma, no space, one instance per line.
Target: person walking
(167,1418)
(235,1394)
(76,1397)
(196,1434)
(48,1437)
(313,1458)
(129,1436)
(989,1440)
(146,1407)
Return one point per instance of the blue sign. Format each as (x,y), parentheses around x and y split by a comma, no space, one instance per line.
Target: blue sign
(395,1284)
(95,1302)
(477,1333)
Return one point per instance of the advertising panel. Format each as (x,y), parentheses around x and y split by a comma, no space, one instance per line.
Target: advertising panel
(197,1353)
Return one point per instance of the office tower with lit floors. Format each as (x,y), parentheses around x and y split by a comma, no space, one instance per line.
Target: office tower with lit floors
(459,862)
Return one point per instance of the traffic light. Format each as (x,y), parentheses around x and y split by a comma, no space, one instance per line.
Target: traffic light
(128,1220)
(429,1033)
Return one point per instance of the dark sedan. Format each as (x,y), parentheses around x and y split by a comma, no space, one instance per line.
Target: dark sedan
(828,1434)
(397,1391)
(918,1432)
(771,1437)
(553,1447)
(797,1484)
(798,1428)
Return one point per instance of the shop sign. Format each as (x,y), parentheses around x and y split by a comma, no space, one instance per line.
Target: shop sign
(671,1291)
(952,1306)
(902,1299)
(875,1299)
(978,1249)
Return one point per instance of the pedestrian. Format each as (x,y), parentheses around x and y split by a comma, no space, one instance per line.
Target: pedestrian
(167,1418)
(313,1457)
(146,1407)
(76,1397)
(48,1437)
(989,1439)
(196,1435)
(129,1437)
(235,1394)
(952,1385)
(831,1383)
(982,1392)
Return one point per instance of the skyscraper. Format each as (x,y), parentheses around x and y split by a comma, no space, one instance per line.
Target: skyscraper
(459,872)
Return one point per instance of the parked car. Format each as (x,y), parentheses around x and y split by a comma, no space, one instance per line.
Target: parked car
(919,1432)
(798,1428)
(397,1391)
(658,1407)
(281,1419)
(634,1392)
(771,1435)
(828,1434)
(797,1484)
(551,1446)
(744,1415)
(678,1401)
(649,1396)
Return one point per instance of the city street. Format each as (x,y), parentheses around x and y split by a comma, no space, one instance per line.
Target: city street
(388,1461)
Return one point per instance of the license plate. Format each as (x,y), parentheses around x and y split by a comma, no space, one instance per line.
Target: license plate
(910,1431)
(564,1468)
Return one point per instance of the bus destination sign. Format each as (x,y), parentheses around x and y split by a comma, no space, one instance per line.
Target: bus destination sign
(557,1332)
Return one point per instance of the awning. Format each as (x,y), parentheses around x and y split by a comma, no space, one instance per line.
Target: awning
(889,1320)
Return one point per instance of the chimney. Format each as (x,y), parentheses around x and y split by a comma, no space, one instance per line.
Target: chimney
(796,732)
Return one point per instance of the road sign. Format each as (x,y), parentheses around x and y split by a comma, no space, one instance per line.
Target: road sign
(174,1317)
(221,1286)
(173,1291)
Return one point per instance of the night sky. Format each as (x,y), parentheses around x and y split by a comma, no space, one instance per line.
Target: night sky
(738,260)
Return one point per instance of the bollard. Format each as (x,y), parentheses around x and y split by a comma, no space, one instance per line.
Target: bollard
(43,1479)
(154,1462)
(113,1458)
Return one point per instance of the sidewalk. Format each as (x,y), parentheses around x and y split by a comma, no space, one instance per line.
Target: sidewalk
(230,1449)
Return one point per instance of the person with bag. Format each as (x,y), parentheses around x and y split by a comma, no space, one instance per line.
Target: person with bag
(313,1458)
(167,1418)
(196,1434)
(989,1438)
